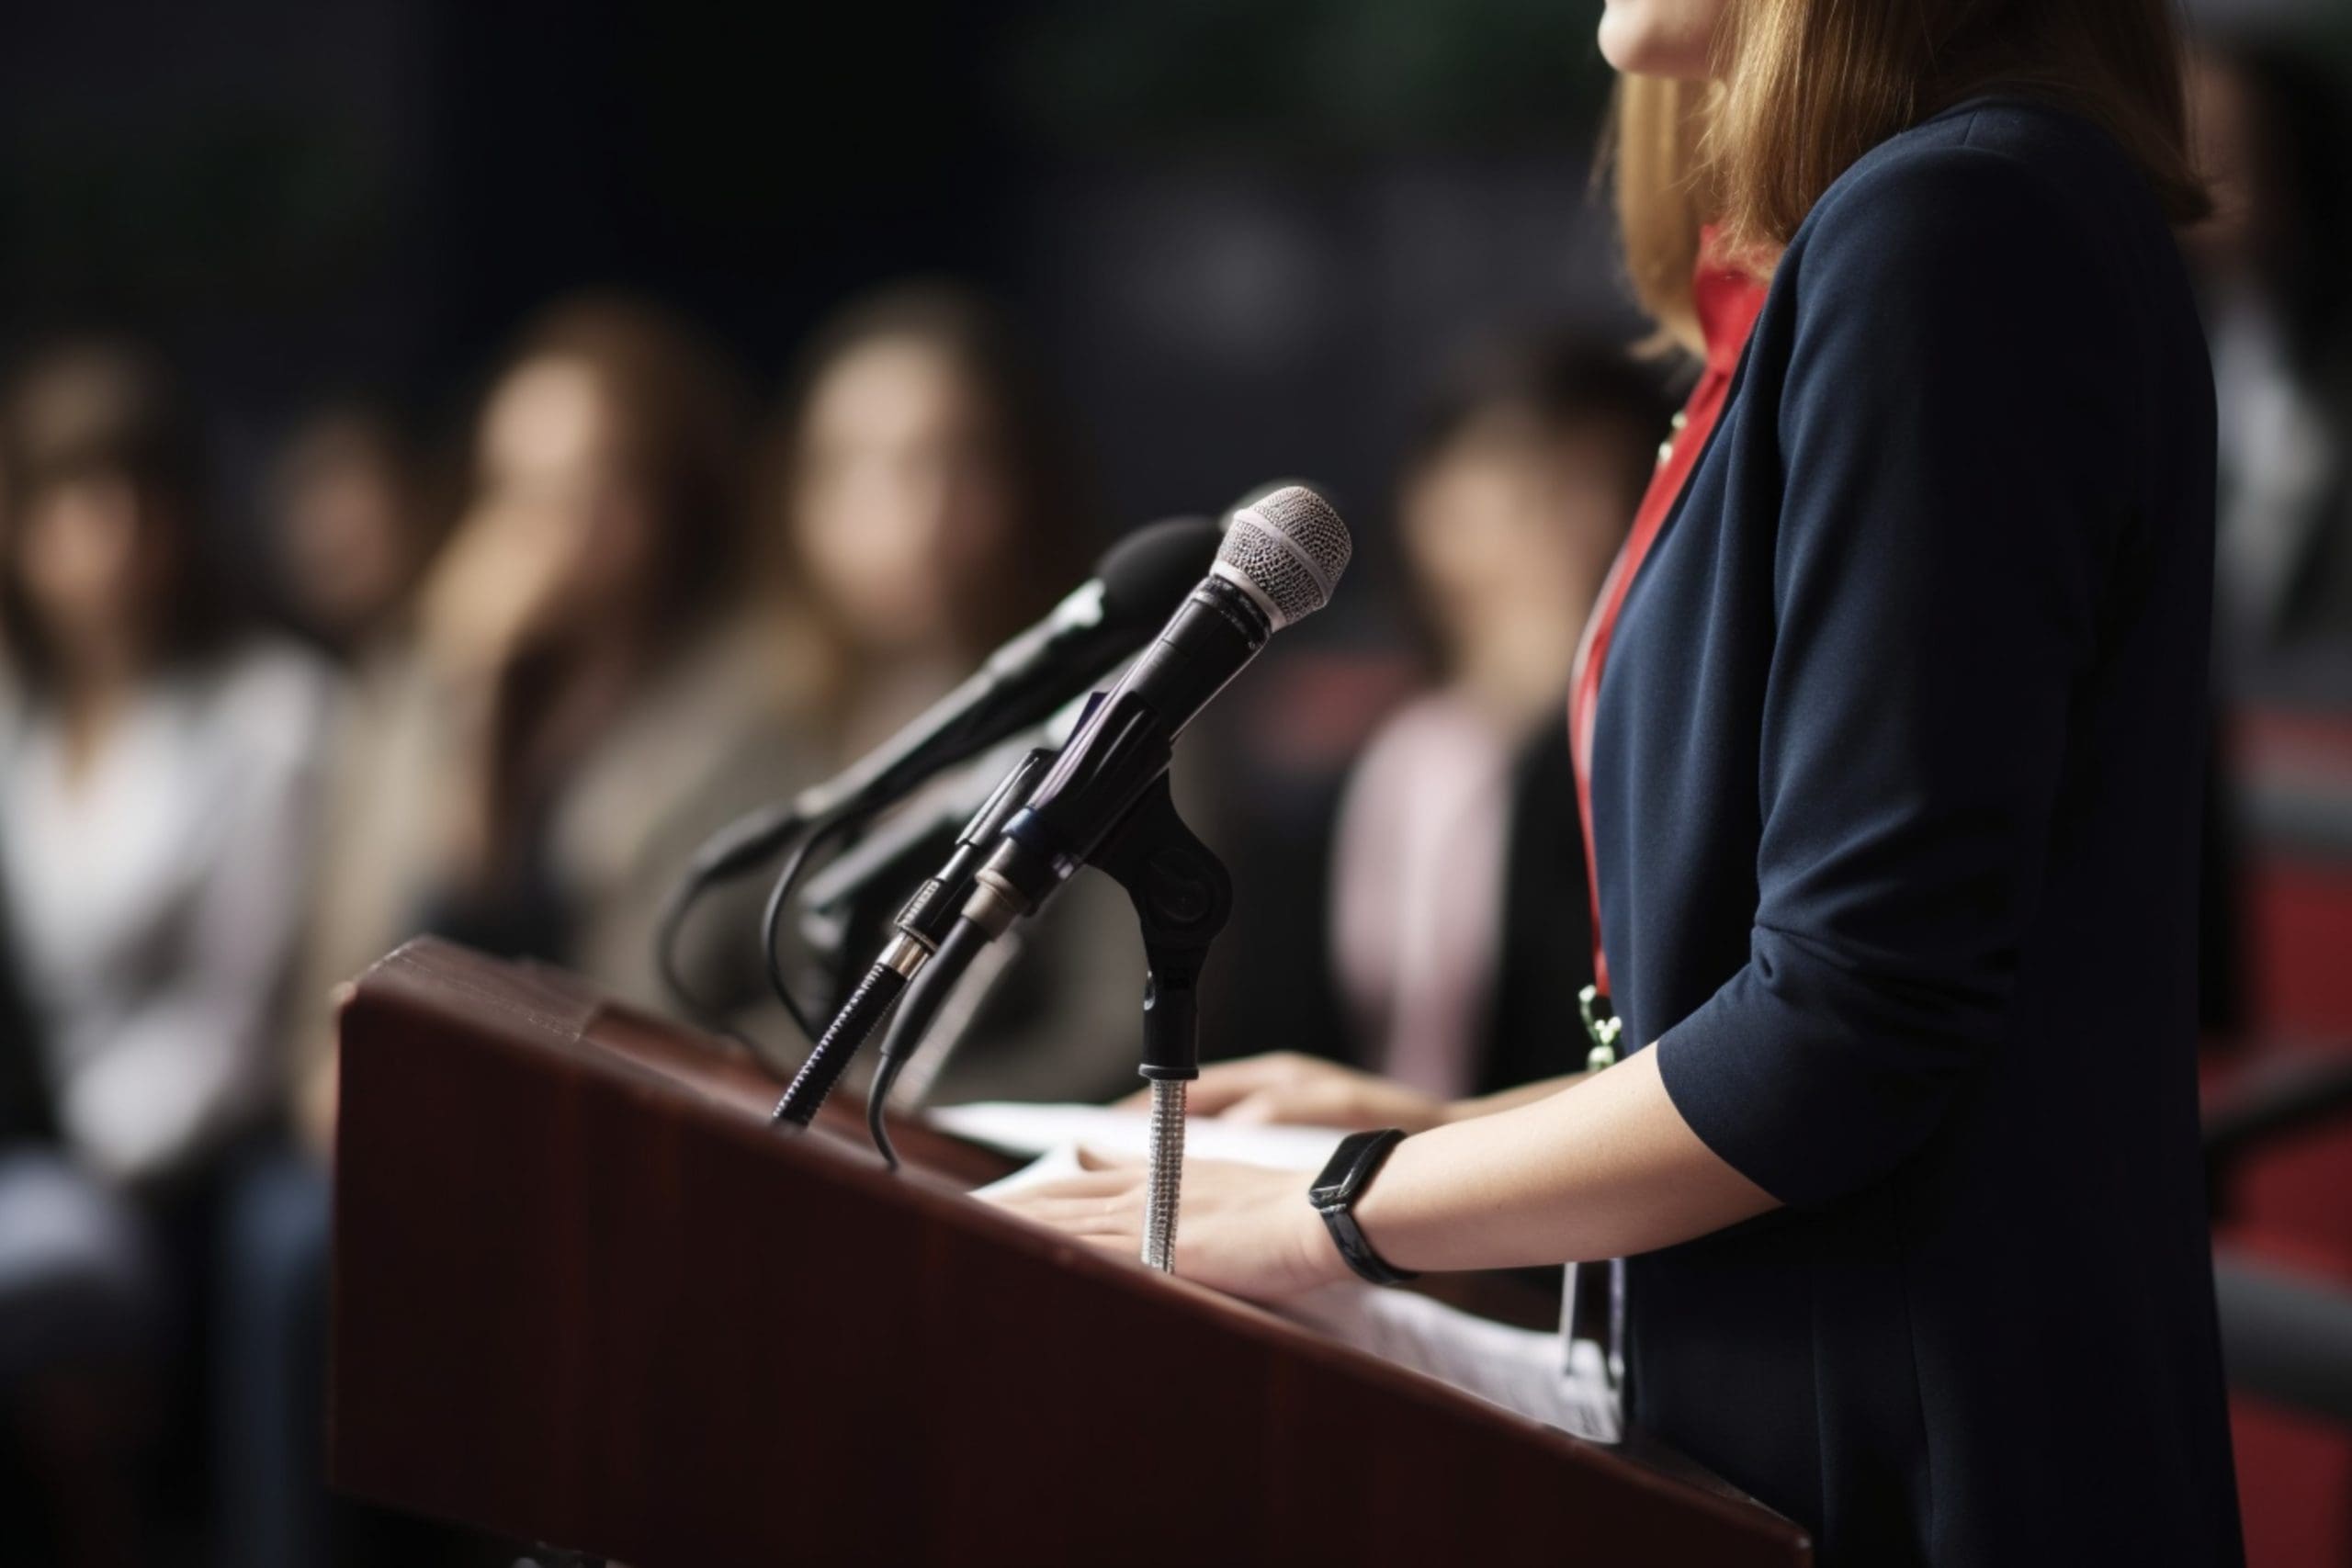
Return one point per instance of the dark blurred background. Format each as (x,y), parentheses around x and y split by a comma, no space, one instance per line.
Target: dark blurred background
(1244,231)
(1356,241)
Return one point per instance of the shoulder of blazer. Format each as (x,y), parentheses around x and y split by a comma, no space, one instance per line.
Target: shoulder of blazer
(1997,206)
(2016,171)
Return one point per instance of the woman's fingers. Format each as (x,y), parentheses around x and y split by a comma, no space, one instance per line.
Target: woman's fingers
(1081,1215)
(1304,1104)
(1224,1084)
(1228,1083)
(1259,1107)
(1115,1221)
(1094,1184)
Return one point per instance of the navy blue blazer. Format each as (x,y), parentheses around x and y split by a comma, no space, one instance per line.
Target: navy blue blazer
(1895,795)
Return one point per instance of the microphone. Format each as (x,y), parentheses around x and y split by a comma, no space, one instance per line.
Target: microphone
(1136,584)
(1282,554)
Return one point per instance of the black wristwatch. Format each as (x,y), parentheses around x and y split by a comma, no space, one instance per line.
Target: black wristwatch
(1353,1164)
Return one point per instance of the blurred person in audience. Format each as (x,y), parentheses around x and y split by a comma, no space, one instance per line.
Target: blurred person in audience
(350,528)
(158,777)
(582,699)
(158,774)
(49,1457)
(927,503)
(2272,135)
(7,665)
(928,512)
(1461,918)
(529,758)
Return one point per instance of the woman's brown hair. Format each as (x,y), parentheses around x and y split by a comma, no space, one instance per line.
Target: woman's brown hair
(1803,88)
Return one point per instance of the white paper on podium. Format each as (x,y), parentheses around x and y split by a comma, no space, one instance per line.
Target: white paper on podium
(1529,1373)
(1524,1370)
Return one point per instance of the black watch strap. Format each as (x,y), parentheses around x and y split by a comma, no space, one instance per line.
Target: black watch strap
(1353,1164)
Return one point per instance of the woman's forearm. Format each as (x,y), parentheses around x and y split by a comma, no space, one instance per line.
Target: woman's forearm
(1602,1168)
(1510,1099)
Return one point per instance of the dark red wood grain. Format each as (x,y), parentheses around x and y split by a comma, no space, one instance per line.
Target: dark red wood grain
(584,1294)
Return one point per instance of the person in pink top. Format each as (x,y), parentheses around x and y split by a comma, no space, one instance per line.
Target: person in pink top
(1459,909)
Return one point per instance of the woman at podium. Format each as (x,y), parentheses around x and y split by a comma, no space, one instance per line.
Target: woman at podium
(1889,736)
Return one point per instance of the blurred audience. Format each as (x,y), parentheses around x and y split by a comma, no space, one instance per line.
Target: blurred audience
(929,511)
(578,698)
(2269,269)
(157,768)
(350,526)
(532,748)
(1461,918)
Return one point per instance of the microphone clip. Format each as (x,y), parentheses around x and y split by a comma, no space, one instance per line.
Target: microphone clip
(1183,895)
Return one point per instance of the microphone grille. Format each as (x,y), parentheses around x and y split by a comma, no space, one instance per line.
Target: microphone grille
(1288,548)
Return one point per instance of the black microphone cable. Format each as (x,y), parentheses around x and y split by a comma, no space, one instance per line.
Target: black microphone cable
(733,854)
(923,999)
(920,1004)
(925,929)
(730,855)
(788,877)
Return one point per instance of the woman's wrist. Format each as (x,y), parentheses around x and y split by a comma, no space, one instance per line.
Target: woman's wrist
(1369,1210)
(1320,1262)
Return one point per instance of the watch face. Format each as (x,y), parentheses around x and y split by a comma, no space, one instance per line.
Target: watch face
(1331,1187)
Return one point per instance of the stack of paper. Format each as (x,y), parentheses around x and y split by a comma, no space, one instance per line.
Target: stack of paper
(1531,1373)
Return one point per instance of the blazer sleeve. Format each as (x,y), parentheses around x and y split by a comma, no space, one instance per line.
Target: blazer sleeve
(1952,422)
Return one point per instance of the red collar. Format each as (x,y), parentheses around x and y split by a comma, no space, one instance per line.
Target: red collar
(1728,298)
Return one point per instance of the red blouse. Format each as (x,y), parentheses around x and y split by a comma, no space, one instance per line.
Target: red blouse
(1729,301)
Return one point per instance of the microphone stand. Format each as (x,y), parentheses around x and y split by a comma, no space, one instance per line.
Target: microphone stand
(1183,895)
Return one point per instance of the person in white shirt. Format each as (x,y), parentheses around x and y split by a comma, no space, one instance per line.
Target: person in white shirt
(155,776)
(155,782)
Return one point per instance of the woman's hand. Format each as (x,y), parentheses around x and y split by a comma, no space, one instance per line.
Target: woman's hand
(1241,1228)
(497,582)
(1306,1091)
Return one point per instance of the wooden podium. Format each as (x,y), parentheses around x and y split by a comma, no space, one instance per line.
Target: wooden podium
(584,1294)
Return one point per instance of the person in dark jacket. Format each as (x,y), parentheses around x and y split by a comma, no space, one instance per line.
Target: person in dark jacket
(1892,734)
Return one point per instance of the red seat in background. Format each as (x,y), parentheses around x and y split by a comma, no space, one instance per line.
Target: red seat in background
(2291,1202)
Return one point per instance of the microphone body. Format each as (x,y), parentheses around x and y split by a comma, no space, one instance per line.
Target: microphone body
(1124,745)
(1021,684)
(1280,556)
(1026,678)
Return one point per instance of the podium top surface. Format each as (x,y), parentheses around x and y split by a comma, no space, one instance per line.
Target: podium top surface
(583,1292)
